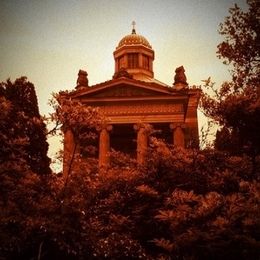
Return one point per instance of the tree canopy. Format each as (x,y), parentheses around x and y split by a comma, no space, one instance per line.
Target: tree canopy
(241,46)
(236,104)
(22,130)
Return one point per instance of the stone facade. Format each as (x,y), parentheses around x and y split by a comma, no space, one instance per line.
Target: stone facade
(134,100)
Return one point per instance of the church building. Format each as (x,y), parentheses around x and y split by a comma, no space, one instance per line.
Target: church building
(133,100)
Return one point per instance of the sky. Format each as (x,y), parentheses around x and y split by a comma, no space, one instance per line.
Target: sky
(50,40)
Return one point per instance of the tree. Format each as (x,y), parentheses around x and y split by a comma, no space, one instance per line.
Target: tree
(227,141)
(81,122)
(37,212)
(22,130)
(182,204)
(241,46)
(236,104)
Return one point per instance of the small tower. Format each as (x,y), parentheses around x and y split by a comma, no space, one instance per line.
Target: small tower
(135,54)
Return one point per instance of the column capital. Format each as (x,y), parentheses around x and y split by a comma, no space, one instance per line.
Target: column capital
(104,126)
(173,126)
(144,126)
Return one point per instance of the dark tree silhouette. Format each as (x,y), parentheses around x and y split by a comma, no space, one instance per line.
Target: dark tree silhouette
(22,130)
(236,105)
(241,46)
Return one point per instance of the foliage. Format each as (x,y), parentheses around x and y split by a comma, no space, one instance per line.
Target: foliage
(82,121)
(70,113)
(182,204)
(23,163)
(22,130)
(242,43)
(235,106)
(238,113)
(20,193)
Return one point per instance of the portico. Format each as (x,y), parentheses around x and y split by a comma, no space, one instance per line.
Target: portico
(133,101)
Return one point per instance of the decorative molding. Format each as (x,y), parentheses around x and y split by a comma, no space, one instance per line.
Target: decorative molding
(141,109)
(133,119)
(124,91)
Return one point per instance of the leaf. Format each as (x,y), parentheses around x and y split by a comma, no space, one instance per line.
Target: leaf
(146,190)
(166,215)
(164,243)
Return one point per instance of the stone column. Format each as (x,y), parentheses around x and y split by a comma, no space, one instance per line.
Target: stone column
(142,142)
(104,145)
(69,151)
(178,134)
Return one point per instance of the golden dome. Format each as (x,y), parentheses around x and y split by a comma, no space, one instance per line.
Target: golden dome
(134,39)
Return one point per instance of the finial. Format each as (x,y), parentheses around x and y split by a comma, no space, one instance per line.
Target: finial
(133,30)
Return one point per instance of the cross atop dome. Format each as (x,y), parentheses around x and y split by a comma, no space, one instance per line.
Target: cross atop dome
(133,30)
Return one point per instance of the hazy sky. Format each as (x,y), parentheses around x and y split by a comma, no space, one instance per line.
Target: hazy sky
(50,40)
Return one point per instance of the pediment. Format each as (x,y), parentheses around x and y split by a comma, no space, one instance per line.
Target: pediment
(125,90)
